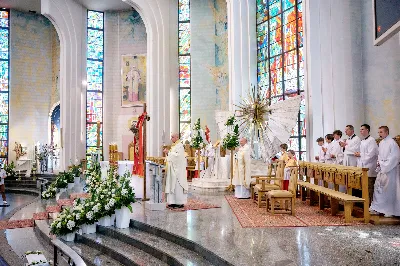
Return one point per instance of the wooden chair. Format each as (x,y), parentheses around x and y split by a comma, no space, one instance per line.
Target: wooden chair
(263,183)
(285,196)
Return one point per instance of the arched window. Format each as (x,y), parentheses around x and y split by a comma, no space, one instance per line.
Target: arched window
(280,71)
(4,82)
(94,91)
(185,108)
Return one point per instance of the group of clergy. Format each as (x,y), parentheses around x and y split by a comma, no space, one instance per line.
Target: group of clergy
(382,162)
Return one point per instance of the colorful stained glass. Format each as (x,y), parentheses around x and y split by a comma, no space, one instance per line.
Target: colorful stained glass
(4,81)
(184,10)
(184,128)
(94,72)
(95,44)
(275,7)
(91,135)
(262,11)
(184,38)
(95,19)
(288,4)
(4,45)
(184,35)
(185,108)
(280,59)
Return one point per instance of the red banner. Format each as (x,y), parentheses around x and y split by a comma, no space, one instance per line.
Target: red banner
(138,141)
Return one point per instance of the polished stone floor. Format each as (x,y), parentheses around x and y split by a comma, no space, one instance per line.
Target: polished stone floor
(15,201)
(219,231)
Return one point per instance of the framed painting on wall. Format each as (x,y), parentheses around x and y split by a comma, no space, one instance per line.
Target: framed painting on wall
(133,74)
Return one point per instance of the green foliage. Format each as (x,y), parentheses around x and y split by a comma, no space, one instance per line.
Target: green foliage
(9,168)
(197,141)
(197,125)
(231,141)
(231,121)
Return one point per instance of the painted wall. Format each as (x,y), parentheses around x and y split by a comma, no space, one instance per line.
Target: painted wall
(125,34)
(381,80)
(34,48)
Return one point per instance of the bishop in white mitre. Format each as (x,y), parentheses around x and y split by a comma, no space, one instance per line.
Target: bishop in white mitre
(386,197)
(242,170)
(368,156)
(176,186)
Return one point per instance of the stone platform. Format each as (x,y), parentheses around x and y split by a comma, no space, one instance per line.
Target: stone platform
(209,185)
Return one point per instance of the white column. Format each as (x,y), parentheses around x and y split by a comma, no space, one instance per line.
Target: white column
(69,19)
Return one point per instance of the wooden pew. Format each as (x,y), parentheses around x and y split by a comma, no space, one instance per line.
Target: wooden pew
(351,177)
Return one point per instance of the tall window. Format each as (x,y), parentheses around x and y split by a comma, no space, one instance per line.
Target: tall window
(184,67)
(280,59)
(4,81)
(94,69)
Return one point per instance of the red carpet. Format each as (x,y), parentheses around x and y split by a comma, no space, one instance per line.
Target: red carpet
(65,202)
(249,215)
(41,216)
(79,195)
(194,204)
(16,224)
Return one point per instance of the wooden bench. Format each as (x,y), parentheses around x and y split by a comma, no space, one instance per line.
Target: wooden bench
(350,177)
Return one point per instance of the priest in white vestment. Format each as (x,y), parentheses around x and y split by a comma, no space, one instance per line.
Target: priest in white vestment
(351,146)
(242,170)
(368,156)
(176,186)
(386,197)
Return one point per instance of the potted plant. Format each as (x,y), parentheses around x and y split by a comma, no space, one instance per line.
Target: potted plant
(10,169)
(76,170)
(65,225)
(124,197)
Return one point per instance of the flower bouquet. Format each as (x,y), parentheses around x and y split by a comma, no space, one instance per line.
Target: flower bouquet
(65,225)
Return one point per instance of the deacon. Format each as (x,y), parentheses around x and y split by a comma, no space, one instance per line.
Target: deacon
(176,186)
(242,171)
(368,156)
(386,198)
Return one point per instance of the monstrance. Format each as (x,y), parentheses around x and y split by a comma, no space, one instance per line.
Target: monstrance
(267,125)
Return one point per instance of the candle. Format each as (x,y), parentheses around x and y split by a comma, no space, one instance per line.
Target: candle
(98,134)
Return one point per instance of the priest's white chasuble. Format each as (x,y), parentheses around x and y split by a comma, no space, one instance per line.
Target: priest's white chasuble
(368,155)
(242,171)
(386,198)
(176,186)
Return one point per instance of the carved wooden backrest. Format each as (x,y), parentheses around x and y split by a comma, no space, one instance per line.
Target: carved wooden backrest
(293,180)
(354,177)
(280,169)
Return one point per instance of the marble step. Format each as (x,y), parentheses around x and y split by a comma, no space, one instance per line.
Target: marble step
(211,257)
(166,251)
(120,251)
(91,256)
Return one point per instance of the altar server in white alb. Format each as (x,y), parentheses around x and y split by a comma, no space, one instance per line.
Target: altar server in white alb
(176,186)
(351,146)
(387,185)
(242,170)
(337,150)
(321,150)
(368,156)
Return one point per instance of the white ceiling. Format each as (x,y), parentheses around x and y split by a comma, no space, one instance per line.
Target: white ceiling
(98,5)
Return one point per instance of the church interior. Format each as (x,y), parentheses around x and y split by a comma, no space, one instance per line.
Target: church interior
(199,132)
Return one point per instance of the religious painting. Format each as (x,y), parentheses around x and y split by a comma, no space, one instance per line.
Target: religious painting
(133,72)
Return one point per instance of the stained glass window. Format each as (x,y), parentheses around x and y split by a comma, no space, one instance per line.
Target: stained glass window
(4,82)
(94,72)
(185,111)
(280,72)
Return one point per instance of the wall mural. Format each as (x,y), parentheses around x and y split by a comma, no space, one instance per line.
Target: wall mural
(133,71)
